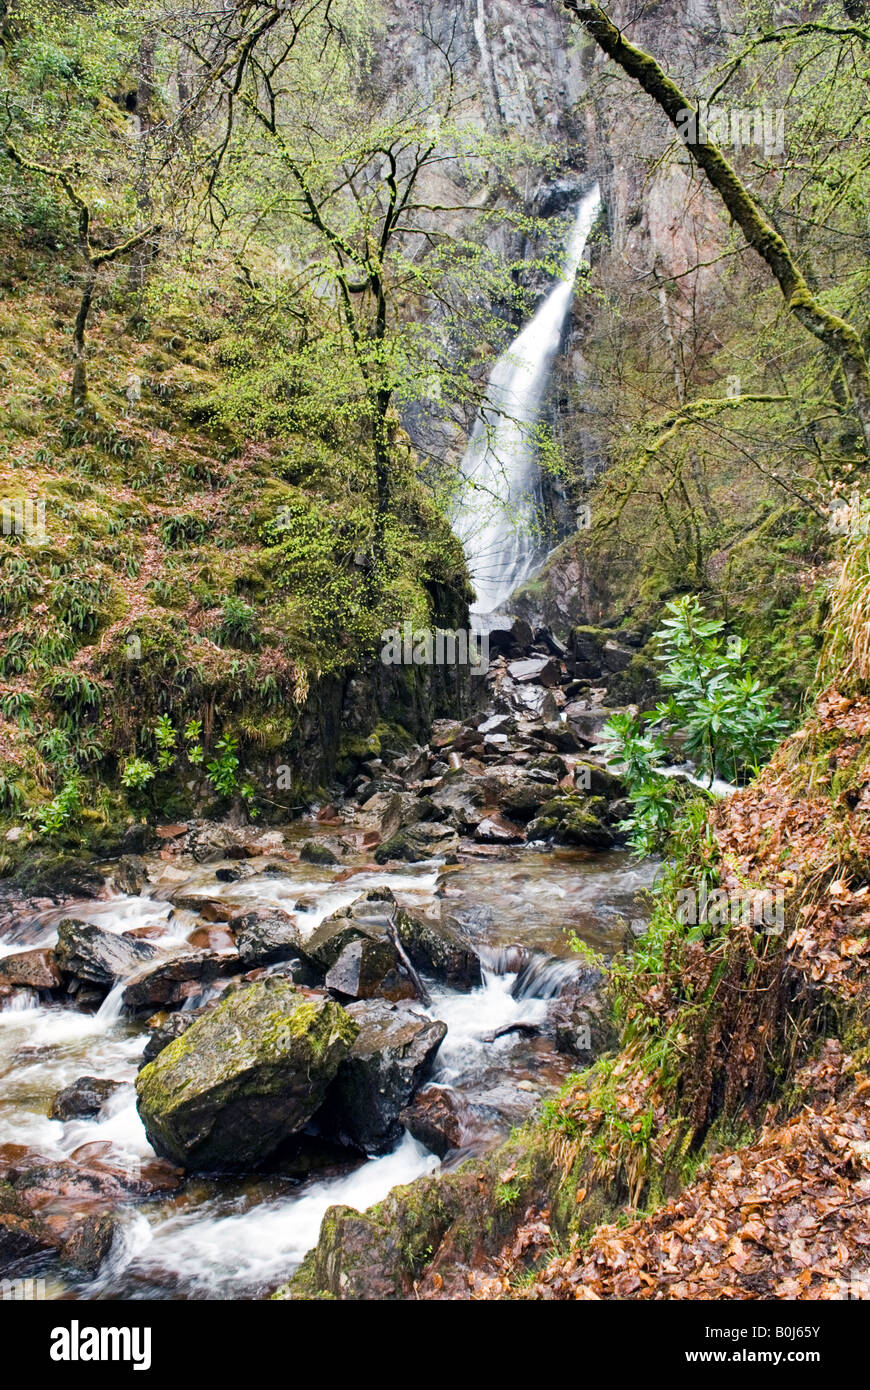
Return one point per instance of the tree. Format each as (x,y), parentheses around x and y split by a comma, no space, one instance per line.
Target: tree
(834,331)
(93,259)
(342,174)
(61,128)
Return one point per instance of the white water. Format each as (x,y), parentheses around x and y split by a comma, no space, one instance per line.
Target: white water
(240,1237)
(217,1255)
(499,501)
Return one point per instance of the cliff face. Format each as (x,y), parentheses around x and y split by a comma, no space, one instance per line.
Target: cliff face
(525,70)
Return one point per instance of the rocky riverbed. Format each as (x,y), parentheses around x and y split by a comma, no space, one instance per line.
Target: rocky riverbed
(241,1027)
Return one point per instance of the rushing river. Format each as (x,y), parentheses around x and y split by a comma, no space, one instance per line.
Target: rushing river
(239,1237)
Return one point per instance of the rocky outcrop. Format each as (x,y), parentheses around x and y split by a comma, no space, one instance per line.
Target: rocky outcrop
(247,1075)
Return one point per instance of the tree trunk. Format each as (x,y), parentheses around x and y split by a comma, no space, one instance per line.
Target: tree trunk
(143,254)
(80,368)
(830,329)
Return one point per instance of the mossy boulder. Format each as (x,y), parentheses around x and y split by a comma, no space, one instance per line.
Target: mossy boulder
(424,840)
(314,853)
(244,1077)
(573,820)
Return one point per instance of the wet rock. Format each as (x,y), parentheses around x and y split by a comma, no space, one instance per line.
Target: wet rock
(616,658)
(327,942)
(581,1019)
(130,874)
(545,638)
(165,1028)
(367,968)
(539,670)
(266,935)
(234,873)
(22,1233)
(496,830)
(441,950)
(89,1179)
(247,1075)
(391,1056)
(525,700)
(561,736)
(598,780)
(518,797)
(83,1098)
(382,813)
(212,938)
(462,800)
(96,955)
(170,982)
(210,909)
(511,639)
(440,1119)
(588,721)
(137,838)
(423,840)
(315,852)
(31,969)
(586,645)
(413,765)
(89,1243)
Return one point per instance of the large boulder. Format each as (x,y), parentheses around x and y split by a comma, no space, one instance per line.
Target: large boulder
(462,801)
(99,956)
(573,820)
(245,1076)
(518,797)
(368,967)
(539,670)
(440,949)
(390,1057)
(267,935)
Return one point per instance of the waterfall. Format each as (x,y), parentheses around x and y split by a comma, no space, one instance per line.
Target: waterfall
(500,496)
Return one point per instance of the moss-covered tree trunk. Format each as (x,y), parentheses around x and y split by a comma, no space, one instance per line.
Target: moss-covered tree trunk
(836,333)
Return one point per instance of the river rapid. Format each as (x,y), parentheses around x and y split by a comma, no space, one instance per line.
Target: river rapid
(238,1237)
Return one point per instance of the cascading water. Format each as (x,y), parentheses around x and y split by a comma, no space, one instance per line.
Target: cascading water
(500,497)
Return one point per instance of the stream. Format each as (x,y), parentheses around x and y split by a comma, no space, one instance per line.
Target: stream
(239,1237)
